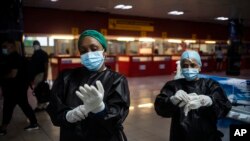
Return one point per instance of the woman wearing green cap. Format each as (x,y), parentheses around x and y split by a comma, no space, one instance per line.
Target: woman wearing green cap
(193,103)
(90,103)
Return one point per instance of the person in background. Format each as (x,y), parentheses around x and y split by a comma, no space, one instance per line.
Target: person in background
(194,104)
(90,103)
(14,87)
(39,71)
(219,59)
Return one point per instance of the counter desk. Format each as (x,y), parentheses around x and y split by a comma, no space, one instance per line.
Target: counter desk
(59,64)
(143,65)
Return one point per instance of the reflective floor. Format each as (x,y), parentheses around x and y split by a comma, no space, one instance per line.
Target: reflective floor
(142,123)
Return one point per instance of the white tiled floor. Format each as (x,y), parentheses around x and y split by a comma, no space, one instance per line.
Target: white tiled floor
(142,123)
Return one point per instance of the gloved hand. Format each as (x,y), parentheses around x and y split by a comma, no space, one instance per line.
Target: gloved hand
(180,95)
(92,97)
(192,96)
(203,100)
(76,114)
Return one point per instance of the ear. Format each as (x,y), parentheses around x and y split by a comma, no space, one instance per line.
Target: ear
(104,54)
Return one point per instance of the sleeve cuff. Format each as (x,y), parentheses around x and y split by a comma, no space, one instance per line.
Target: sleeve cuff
(99,109)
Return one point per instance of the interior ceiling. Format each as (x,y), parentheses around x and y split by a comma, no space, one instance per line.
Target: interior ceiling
(195,10)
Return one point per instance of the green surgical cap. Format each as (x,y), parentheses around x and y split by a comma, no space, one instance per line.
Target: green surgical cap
(95,34)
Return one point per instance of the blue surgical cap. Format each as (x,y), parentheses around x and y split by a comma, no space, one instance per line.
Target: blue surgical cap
(190,54)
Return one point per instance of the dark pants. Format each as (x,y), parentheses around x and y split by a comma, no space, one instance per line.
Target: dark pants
(16,96)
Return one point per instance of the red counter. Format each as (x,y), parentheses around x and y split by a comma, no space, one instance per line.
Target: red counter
(174,58)
(161,65)
(143,65)
(133,66)
(208,63)
(61,63)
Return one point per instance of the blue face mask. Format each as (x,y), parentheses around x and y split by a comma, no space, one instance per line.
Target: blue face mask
(5,51)
(190,73)
(92,60)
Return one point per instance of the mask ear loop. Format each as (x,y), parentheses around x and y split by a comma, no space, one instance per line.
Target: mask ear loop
(104,58)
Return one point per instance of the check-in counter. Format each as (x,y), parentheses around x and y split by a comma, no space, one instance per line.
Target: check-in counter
(173,66)
(208,63)
(110,62)
(161,65)
(144,65)
(61,63)
(134,66)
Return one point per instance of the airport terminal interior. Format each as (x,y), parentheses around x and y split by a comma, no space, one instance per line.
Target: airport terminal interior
(145,41)
(142,123)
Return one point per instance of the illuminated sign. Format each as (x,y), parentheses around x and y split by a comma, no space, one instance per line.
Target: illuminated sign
(133,25)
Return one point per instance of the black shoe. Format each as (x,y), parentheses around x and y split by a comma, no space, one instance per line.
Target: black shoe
(31,127)
(3,132)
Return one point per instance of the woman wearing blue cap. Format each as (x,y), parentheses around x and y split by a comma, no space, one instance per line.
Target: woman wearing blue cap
(193,103)
(90,103)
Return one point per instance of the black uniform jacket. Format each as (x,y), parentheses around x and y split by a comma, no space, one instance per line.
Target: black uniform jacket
(200,124)
(103,126)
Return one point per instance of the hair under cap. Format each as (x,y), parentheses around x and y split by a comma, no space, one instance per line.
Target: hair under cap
(95,34)
(190,54)
(36,42)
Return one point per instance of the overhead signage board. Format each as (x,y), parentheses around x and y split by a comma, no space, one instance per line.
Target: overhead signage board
(132,25)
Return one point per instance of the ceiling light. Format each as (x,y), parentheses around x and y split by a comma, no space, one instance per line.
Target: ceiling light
(125,39)
(119,6)
(222,18)
(53,0)
(210,42)
(176,12)
(174,41)
(122,6)
(146,39)
(190,41)
(127,7)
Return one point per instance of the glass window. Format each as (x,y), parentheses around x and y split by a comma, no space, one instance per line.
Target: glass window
(28,41)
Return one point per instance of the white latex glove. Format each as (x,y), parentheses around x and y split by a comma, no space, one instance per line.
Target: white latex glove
(203,100)
(192,96)
(180,95)
(77,114)
(92,97)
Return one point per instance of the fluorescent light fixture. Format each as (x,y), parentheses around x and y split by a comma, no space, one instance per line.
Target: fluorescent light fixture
(122,6)
(127,7)
(125,39)
(175,12)
(146,105)
(190,41)
(53,0)
(210,42)
(174,41)
(146,39)
(222,18)
(119,6)
(67,37)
